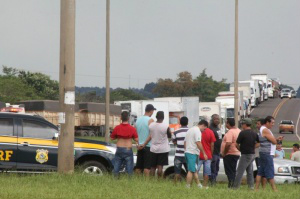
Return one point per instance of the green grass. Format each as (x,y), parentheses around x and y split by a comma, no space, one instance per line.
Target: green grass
(289,144)
(79,186)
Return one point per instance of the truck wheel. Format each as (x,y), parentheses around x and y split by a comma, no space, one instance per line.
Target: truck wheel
(93,168)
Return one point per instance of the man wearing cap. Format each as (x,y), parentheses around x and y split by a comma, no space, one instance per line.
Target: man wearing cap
(246,142)
(144,155)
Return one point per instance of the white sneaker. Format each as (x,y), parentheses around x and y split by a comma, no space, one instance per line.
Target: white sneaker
(206,188)
(188,186)
(200,186)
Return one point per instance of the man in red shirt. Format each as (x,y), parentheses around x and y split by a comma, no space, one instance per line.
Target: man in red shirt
(124,133)
(208,140)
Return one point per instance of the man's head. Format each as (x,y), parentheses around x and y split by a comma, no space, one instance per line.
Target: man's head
(215,118)
(230,123)
(124,116)
(149,110)
(269,122)
(295,147)
(203,124)
(160,116)
(246,123)
(184,121)
(259,123)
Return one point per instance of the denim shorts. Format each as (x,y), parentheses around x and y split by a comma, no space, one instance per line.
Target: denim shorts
(266,168)
(178,163)
(191,161)
(206,167)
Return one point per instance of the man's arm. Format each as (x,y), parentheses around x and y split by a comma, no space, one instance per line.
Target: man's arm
(226,149)
(184,145)
(257,145)
(147,141)
(150,121)
(169,133)
(200,147)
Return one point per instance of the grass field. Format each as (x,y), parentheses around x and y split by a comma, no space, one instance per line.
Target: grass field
(79,186)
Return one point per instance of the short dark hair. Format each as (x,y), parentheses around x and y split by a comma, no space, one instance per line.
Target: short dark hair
(214,115)
(125,116)
(261,120)
(268,119)
(184,121)
(231,121)
(149,107)
(160,115)
(203,122)
(296,145)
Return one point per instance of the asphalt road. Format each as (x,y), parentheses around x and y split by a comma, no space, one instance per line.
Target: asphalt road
(281,109)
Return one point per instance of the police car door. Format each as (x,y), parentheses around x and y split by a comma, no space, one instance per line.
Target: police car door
(8,143)
(37,150)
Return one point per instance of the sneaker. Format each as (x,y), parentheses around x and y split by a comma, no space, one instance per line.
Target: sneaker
(200,186)
(206,187)
(188,186)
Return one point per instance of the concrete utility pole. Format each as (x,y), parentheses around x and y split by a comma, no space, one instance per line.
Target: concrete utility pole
(107,96)
(236,65)
(67,87)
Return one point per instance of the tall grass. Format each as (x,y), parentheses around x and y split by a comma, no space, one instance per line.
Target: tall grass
(79,186)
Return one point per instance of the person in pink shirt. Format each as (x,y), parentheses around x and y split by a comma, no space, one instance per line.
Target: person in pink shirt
(229,151)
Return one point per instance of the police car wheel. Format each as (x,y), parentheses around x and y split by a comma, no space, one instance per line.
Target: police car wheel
(93,168)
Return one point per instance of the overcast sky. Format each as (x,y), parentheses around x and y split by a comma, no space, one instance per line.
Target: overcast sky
(153,39)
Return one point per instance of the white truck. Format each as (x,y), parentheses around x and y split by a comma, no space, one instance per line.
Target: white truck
(273,88)
(263,79)
(245,88)
(182,106)
(226,99)
(255,92)
(137,109)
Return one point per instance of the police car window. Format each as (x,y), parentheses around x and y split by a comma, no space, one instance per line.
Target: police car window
(36,129)
(6,126)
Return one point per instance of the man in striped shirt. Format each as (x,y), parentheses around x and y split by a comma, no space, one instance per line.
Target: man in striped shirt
(178,140)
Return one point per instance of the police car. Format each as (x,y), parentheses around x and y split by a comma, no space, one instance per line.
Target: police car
(29,143)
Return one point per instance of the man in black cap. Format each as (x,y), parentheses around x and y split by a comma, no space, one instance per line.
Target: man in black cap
(144,155)
(246,142)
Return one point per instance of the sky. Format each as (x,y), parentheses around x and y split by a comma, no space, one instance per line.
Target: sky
(153,39)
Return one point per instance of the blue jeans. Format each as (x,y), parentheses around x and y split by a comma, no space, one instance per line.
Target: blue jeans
(206,167)
(266,168)
(214,167)
(123,155)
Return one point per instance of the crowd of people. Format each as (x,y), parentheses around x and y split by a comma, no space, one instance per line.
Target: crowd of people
(200,146)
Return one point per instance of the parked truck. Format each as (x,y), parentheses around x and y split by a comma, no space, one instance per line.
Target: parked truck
(273,88)
(182,106)
(255,92)
(263,80)
(136,109)
(245,88)
(89,117)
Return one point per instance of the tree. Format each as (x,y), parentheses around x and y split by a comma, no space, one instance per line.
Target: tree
(166,88)
(9,71)
(13,90)
(185,83)
(149,87)
(124,95)
(44,86)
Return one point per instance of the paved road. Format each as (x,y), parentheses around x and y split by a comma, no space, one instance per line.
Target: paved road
(282,109)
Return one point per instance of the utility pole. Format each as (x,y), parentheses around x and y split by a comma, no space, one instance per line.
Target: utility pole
(236,66)
(107,96)
(67,87)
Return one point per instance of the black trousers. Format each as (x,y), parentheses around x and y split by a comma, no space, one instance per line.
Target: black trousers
(230,164)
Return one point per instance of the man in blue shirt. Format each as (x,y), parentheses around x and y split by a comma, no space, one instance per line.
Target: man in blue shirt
(143,155)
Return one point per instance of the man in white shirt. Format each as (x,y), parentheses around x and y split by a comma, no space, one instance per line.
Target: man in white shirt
(296,153)
(193,146)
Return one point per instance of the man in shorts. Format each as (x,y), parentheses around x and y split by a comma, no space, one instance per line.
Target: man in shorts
(208,140)
(143,155)
(178,140)
(193,146)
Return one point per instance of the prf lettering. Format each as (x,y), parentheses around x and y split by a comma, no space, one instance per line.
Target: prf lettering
(5,155)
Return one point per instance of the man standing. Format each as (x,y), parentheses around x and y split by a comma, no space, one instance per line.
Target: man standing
(143,155)
(208,140)
(266,153)
(214,126)
(229,151)
(178,140)
(246,142)
(193,146)
(159,133)
(124,133)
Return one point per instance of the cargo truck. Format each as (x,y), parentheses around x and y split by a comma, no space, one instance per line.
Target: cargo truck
(273,88)
(263,80)
(245,88)
(89,117)
(255,92)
